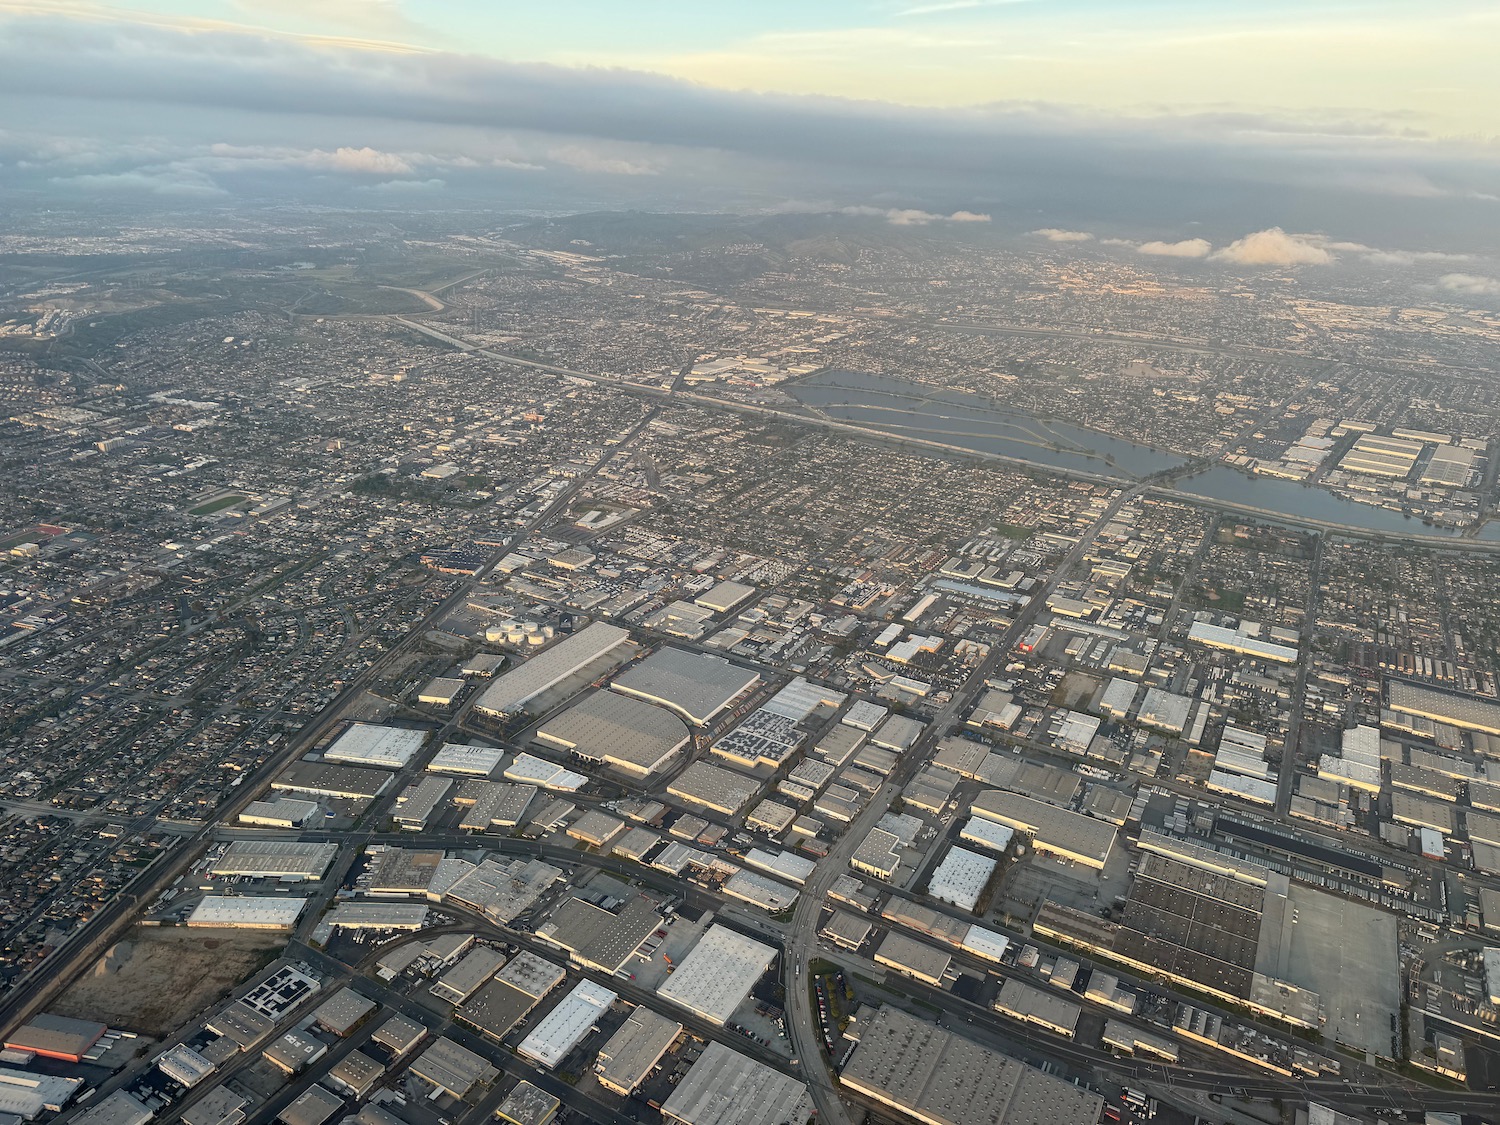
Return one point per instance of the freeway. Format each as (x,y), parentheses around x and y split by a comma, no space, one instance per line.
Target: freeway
(885,437)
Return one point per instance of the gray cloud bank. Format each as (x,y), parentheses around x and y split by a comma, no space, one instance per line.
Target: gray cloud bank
(181,115)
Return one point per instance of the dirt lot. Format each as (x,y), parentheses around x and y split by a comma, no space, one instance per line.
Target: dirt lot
(159,977)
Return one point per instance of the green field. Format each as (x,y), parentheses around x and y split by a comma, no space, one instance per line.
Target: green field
(217,505)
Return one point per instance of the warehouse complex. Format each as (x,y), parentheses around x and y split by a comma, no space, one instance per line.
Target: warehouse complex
(327,780)
(713,787)
(1201,928)
(247,912)
(365,744)
(56,1037)
(634,1050)
(1465,711)
(565,1026)
(288,860)
(453,757)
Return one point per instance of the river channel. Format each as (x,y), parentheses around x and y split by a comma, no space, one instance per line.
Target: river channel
(971,421)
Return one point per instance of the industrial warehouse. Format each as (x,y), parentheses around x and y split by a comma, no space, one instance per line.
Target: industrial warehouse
(566,1025)
(634,1050)
(1207,930)
(695,685)
(714,979)
(557,671)
(287,860)
(727,1088)
(1069,835)
(365,744)
(938,1077)
(619,731)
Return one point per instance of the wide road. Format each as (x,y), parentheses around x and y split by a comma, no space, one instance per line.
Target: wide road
(802,937)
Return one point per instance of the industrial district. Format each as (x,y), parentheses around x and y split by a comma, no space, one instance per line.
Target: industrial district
(538,673)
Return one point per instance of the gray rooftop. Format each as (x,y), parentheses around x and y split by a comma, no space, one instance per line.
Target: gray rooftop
(695,685)
(726,1088)
(939,1076)
(617,729)
(635,1048)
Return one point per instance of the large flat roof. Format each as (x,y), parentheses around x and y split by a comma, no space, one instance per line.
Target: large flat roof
(943,1079)
(452,1067)
(275,858)
(367,744)
(53,1035)
(635,1048)
(619,730)
(696,685)
(564,1027)
(1041,1006)
(536,976)
(270,913)
(496,1008)
(913,957)
(527,1105)
(725,1087)
(599,938)
(725,596)
(1044,783)
(718,974)
(1216,636)
(960,879)
(332,780)
(1467,711)
(713,787)
(1056,830)
(512,691)
(454,757)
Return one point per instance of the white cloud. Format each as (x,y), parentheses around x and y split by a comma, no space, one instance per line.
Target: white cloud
(911,216)
(180,182)
(1470,285)
(365,160)
(1275,247)
(589,160)
(404,187)
(1411,257)
(1187,248)
(1052,234)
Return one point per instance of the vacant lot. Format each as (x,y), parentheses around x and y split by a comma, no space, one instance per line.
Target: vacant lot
(158,978)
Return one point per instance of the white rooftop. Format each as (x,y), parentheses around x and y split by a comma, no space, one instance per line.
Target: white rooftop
(718,974)
(564,1027)
(961,877)
(367,744)
(244,910)
(538,771)
(457,758)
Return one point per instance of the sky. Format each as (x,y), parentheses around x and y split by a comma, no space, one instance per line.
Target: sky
(1154,120)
